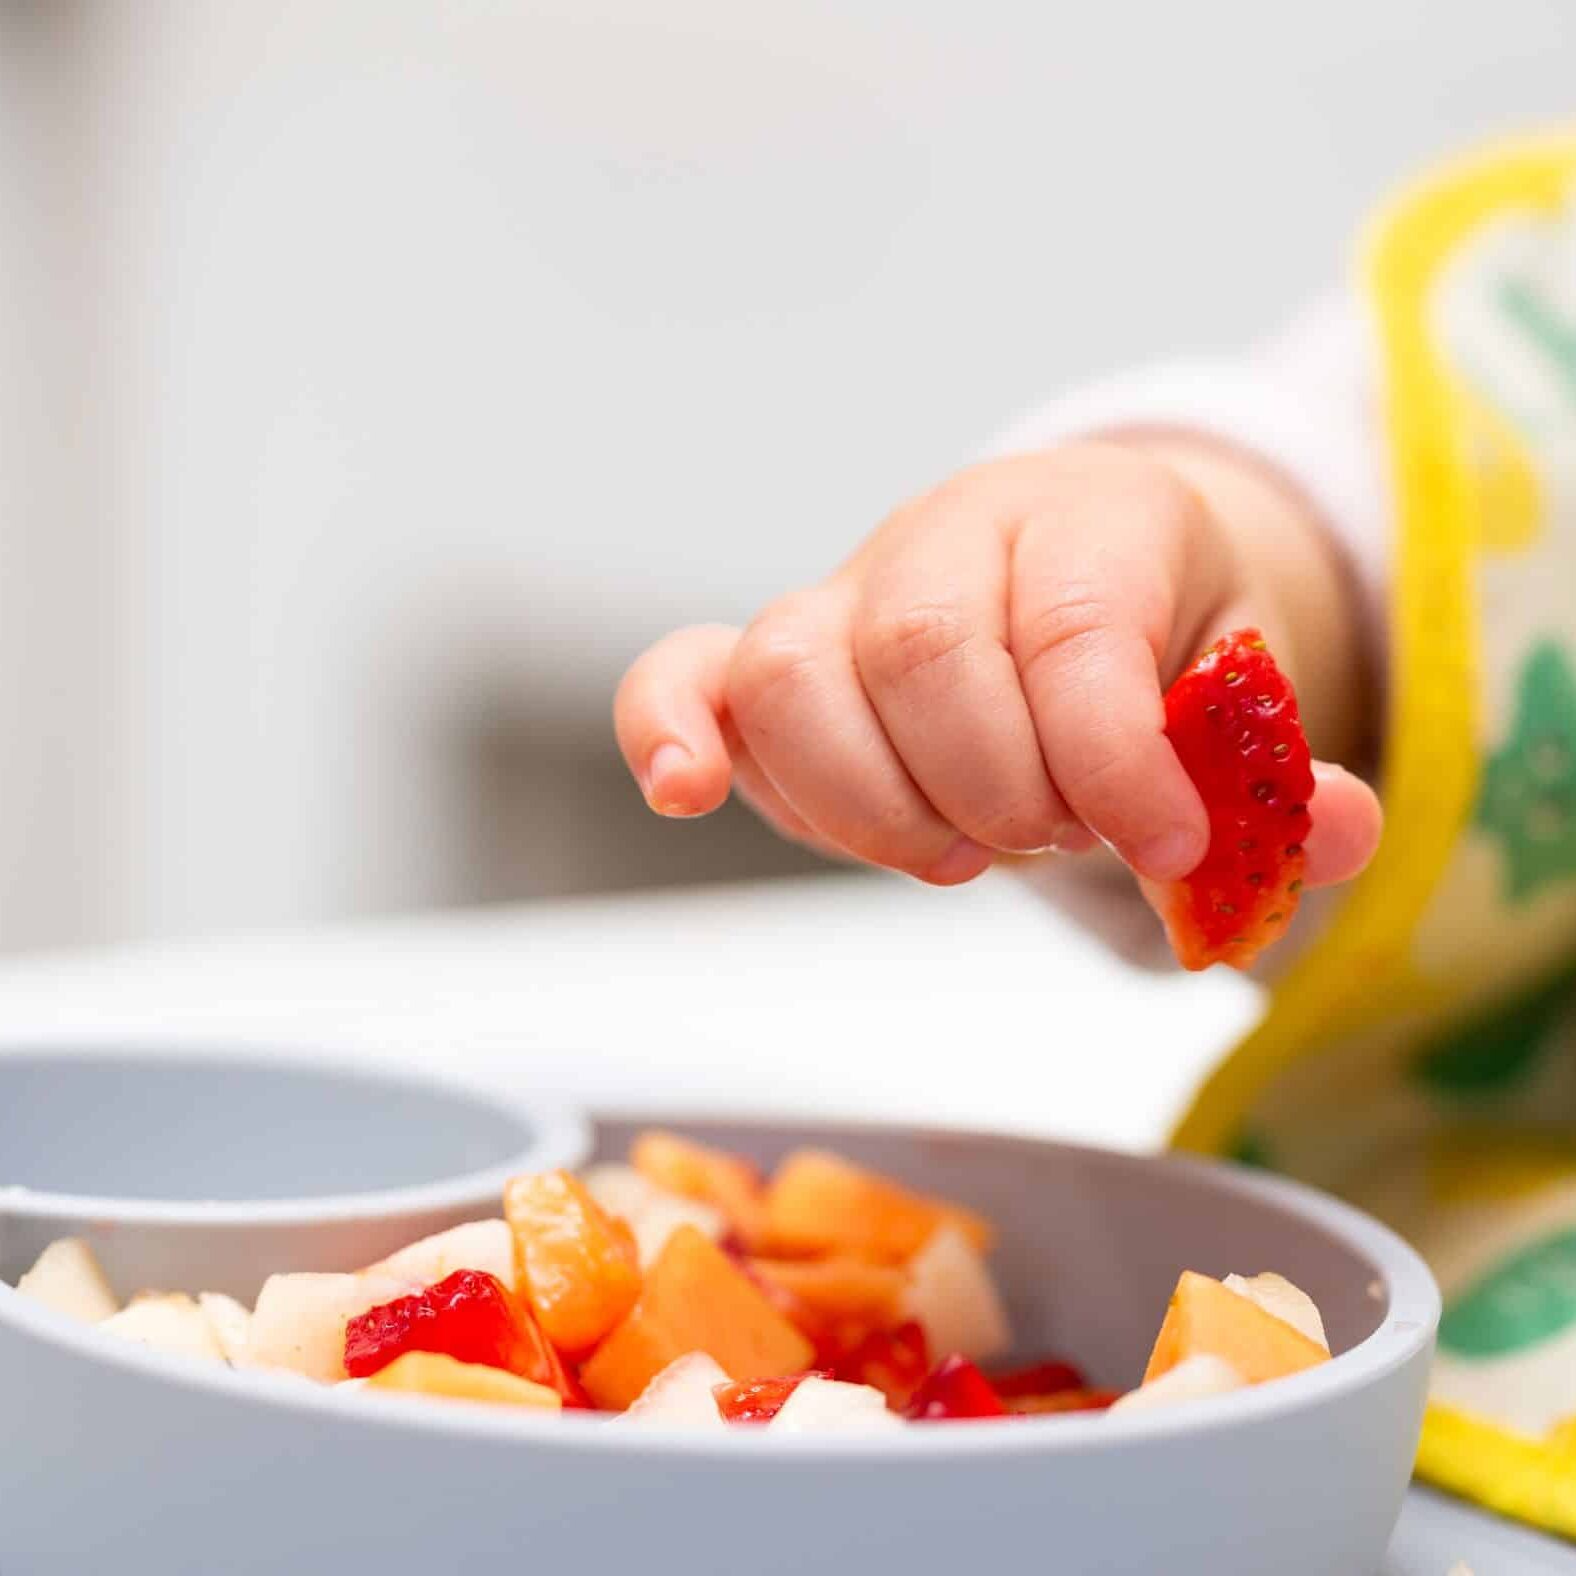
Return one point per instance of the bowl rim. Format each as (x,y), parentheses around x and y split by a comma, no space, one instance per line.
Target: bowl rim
(1405,1335)
(551,1132)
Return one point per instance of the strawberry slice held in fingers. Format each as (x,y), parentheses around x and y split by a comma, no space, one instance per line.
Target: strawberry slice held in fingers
(1232,719)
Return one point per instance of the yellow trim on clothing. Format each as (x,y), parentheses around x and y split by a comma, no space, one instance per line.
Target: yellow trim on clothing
(1360,973)
(1533,1480)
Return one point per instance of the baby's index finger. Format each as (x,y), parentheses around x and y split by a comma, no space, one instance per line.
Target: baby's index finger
(666,716)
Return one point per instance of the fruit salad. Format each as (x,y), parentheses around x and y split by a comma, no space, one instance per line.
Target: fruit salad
(683,1289)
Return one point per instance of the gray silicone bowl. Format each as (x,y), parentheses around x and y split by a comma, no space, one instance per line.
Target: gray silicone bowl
(229,1166)
(123,1460)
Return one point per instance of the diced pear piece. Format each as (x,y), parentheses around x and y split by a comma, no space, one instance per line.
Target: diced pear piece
(230,1322)
(1191,1380)
(483,1245)
(168,1322)
(1275,1294)
(651,1212)
(68,1279)
(681,1396)
(828,1406)
(953,1296)
(299,1321)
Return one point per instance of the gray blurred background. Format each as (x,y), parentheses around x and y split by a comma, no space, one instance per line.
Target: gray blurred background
(376,377)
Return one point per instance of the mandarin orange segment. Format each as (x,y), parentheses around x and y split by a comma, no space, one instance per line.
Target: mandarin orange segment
(727,1182)
(819,1203)
(695,1299)
(574,1263)
(1205,1317)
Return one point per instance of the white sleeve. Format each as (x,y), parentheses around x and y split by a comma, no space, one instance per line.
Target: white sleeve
(1307,403)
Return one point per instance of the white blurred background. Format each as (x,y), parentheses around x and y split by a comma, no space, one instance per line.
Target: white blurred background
(376,377)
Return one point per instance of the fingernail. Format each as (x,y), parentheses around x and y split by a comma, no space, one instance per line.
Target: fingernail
(666,760)
(964,860)
(1168,856)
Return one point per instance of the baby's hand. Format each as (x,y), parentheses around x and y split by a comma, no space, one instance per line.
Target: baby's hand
(985,674)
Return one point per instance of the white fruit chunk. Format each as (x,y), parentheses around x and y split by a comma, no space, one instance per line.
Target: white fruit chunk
(1277,1296)
(952,1295)
(828,1406)
(651,1212)
(299,1321)
(230,1322)
(68,1279)
(681,1396)
(168,1322)
(477,1245)
(1191,1380)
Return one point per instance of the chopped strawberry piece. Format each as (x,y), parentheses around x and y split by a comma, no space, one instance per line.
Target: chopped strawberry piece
(894,1361)
(759,1400)
(470,1316)
(1077,1400)
(1042,1378)
(1232,719)
(954,1389)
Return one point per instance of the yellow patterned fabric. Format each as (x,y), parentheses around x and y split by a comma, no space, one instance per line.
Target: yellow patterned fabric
(1421,1058)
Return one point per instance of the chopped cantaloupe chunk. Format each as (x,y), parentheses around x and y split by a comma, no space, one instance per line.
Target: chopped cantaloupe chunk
(577,1265)
(1205,1317)
(695,1299)
(819,1204)
(728,1183)
(68,1279)
(436,1373)
(841,1287)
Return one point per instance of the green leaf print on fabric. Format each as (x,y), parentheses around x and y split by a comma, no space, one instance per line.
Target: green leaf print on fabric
(1250,1149)
(1499,1047)
(1548,328)
(1528,802)
(1523,1300)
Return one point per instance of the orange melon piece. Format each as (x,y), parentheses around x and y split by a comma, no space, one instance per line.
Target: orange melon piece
(842,1287)
(728,1183)
(818,1203)
(436,1373)
(695,1299)
(1206,1318)
(576,1264)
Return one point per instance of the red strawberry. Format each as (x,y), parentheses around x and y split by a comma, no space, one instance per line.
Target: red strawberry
(953,1390)
(469,1315)
(759,1400)
(1046,1377)
(1232,719)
